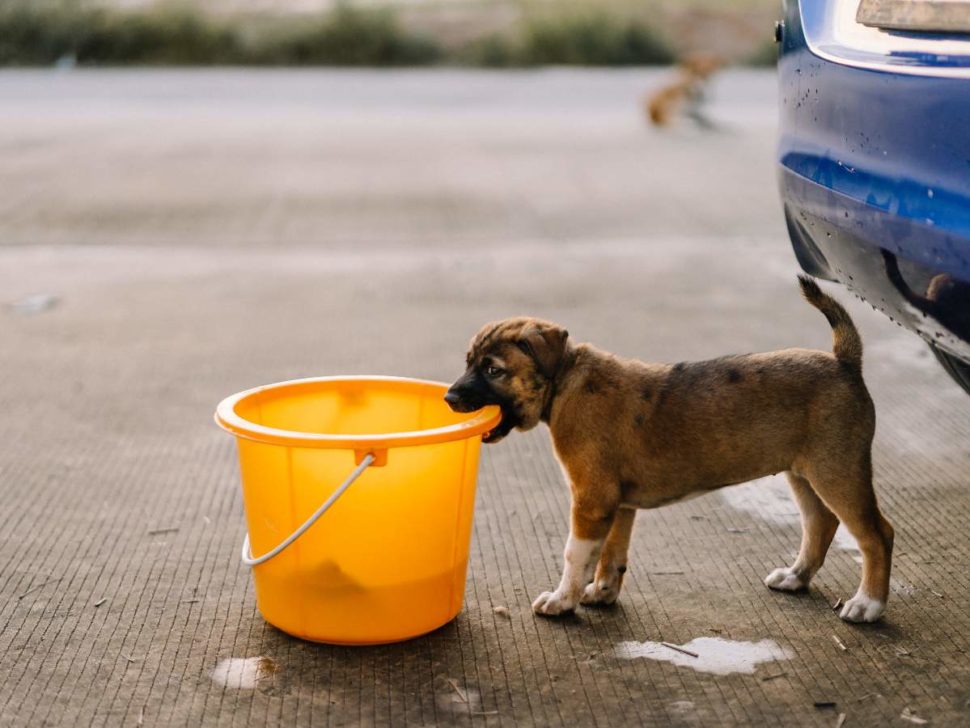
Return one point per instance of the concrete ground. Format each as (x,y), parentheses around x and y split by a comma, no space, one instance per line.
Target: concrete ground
(169,238)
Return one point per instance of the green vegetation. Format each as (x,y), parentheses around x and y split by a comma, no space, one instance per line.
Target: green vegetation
(43,32)
(39,33)
(765,55)
(345,37)
(582,39)
(593,40)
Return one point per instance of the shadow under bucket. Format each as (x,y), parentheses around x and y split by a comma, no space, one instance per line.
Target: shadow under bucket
(395,471)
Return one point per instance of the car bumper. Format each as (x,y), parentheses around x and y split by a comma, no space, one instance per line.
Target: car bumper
(875,175)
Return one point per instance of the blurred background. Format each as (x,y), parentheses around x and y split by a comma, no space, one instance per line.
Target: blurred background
(477,33)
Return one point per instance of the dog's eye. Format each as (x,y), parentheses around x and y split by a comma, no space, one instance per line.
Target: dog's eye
(494,372)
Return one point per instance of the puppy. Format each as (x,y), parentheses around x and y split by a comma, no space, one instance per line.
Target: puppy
(687,92)
(631,435)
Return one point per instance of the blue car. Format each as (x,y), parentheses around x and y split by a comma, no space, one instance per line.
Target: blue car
(875,158)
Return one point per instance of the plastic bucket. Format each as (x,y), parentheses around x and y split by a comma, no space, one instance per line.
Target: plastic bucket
(388,561)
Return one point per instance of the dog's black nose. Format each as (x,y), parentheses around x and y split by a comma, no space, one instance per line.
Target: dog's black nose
(452,397)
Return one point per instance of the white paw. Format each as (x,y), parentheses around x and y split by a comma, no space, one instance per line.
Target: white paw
(784,579)
(604,591)
(862,608)
(552,603)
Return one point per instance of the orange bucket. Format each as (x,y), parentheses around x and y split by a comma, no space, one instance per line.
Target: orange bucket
(389,560)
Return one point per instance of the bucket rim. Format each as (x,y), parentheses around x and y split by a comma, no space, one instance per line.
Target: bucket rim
(226,417)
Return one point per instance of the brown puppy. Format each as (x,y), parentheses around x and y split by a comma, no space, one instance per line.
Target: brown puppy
(634,435)
(685,93)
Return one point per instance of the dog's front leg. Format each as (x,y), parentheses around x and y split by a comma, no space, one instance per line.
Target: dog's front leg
(606,585)
(586,536)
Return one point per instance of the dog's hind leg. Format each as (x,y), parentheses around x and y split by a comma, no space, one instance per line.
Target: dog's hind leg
(590,526)
(850,496)
(818,528)
(605,587)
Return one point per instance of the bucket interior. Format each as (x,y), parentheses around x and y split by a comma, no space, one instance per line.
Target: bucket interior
(350,407)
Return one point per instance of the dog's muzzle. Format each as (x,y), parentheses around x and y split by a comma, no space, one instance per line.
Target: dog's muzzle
(462,402)
(471,393)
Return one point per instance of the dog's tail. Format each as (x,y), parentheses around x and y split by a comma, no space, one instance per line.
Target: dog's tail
(846,342)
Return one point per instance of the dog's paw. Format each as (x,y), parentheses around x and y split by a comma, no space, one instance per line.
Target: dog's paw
(784,579)
(551,604)
(601,592)
(862,608)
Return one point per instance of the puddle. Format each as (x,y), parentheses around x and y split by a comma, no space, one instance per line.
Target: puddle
(454,697)
(37,303)
(770,500)
(243,673)
(714,654)
(846,541)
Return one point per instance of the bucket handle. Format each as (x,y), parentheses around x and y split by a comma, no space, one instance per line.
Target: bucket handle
(247,555)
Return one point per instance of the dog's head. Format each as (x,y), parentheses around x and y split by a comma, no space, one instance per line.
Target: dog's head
(702,65)
(511,363)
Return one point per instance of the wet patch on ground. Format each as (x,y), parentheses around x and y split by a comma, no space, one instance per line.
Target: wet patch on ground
(708,654)
(243,673)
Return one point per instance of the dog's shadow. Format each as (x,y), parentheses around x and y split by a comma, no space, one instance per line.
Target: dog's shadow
(585,614)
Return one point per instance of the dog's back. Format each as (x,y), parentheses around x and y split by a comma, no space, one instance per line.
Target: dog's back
(740,417)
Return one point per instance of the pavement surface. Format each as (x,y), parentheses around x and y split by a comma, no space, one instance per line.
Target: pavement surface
(168,238)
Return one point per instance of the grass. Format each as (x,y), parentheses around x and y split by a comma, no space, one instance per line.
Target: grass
(346,37)
(594,40)
(765,55)
(44,32)
(39,33)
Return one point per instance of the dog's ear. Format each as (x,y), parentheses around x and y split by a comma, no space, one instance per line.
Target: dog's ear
(546,344)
